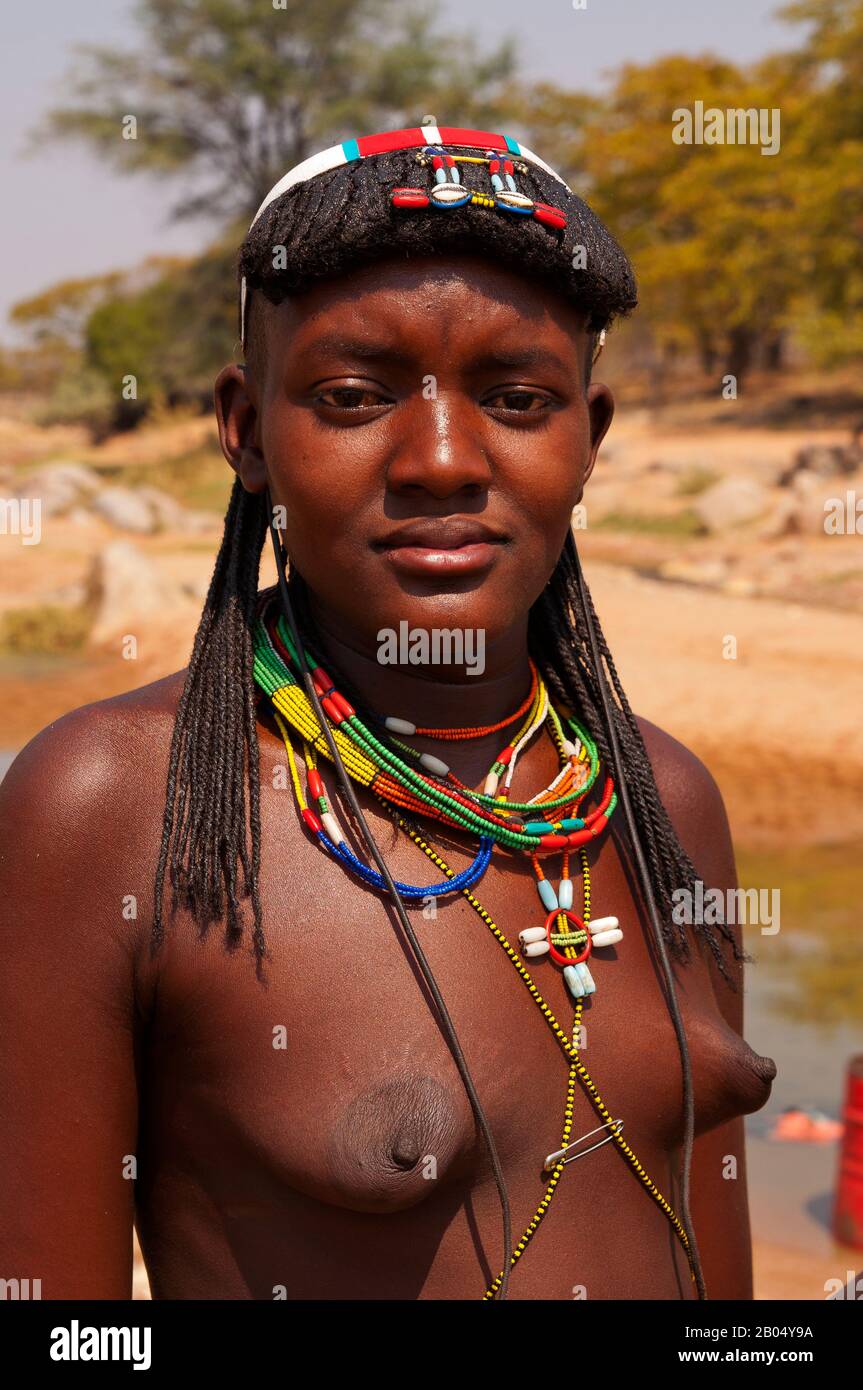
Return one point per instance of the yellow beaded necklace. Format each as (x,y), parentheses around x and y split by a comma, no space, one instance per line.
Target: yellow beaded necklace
(577,1072)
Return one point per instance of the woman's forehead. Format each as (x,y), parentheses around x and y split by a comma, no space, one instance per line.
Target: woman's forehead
(457,296)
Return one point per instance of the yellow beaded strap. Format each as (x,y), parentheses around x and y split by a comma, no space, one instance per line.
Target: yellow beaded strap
(577,1071)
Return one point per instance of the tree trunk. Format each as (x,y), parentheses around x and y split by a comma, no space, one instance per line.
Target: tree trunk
(739,353)
(773,352)
(707,354)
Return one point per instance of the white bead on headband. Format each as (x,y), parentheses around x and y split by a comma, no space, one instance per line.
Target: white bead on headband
(501,154)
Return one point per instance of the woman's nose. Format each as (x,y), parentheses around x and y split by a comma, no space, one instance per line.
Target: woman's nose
(439,450)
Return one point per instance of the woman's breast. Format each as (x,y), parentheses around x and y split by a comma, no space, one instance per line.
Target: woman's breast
(339,1083)
(391,1145)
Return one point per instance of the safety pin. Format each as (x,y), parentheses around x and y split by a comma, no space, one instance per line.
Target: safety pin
(555,1158)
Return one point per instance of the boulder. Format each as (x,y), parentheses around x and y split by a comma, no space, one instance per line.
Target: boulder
(126,509)
(168,513)
(708,574)
(782,519)
(810,492)
(823,461)
(731,502)
(124,587)
(59,486)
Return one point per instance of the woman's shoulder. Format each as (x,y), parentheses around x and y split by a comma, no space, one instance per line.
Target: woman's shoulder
(695,806)
(81,812)
(81,805)
(107,748)
(686,785)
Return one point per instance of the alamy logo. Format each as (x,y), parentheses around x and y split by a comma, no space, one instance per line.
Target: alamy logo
(436,646)
(21,516)
(740,906)
(20,1289)
(77,1343)
(736,125)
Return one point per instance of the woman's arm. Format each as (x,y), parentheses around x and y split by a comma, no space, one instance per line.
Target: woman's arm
(719,1197)
(719,1202)
(68,1092)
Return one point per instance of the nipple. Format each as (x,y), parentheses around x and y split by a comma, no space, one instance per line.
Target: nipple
(392,1144)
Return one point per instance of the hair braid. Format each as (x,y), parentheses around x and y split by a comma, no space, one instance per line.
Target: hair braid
(558,626)
(214,749)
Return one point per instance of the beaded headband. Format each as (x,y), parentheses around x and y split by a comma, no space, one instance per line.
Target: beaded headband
(504,157)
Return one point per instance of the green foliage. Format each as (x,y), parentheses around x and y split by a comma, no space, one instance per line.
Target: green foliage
(82,396)
(695,480)
(684,523)
(59,314)
(733,249)
(828,152)
(173,335)
(44,630)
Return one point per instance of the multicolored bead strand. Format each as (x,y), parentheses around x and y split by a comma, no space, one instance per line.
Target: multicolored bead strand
(403,779)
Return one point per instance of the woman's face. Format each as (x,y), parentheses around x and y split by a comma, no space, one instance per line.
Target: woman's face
(426,429)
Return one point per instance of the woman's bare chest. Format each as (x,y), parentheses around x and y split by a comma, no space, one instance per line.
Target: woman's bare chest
(332,1075)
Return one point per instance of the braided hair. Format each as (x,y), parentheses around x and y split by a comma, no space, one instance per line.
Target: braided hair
(326,226)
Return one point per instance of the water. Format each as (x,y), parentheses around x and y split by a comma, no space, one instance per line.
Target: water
(803,1007)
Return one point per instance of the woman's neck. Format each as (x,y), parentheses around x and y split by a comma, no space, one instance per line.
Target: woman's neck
(418,693)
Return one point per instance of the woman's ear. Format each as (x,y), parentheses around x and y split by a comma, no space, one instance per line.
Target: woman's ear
(600,407)
(237,418)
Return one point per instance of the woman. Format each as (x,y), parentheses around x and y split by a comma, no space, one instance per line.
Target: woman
(384,1086)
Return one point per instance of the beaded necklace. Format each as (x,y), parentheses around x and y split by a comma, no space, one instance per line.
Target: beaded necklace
(423,784)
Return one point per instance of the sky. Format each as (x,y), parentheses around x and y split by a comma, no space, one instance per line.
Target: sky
(67,215)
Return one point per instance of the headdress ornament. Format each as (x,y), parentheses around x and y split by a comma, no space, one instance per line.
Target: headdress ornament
(440,149)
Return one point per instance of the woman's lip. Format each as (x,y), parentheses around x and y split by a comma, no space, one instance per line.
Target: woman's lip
(455,560)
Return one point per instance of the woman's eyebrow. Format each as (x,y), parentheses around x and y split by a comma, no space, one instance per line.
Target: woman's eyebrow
(521,357)
(338,345)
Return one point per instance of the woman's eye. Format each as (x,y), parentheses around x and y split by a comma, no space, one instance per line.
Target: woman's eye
(351,397)
(519,402)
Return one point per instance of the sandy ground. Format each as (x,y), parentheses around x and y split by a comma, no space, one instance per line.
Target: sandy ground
(786,707)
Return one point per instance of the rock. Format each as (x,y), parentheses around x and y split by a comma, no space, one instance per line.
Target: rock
(740,586)
(125,587)
(168,513)
(731,502)
(59,486)
(782,519)
(810,492)
(705,573)
(85,480)
(822,461)
(126,509)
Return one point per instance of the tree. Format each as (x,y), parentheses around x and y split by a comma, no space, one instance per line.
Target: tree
(59,314)
(173,334)
(704,224)
(227,96)
(828,218)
